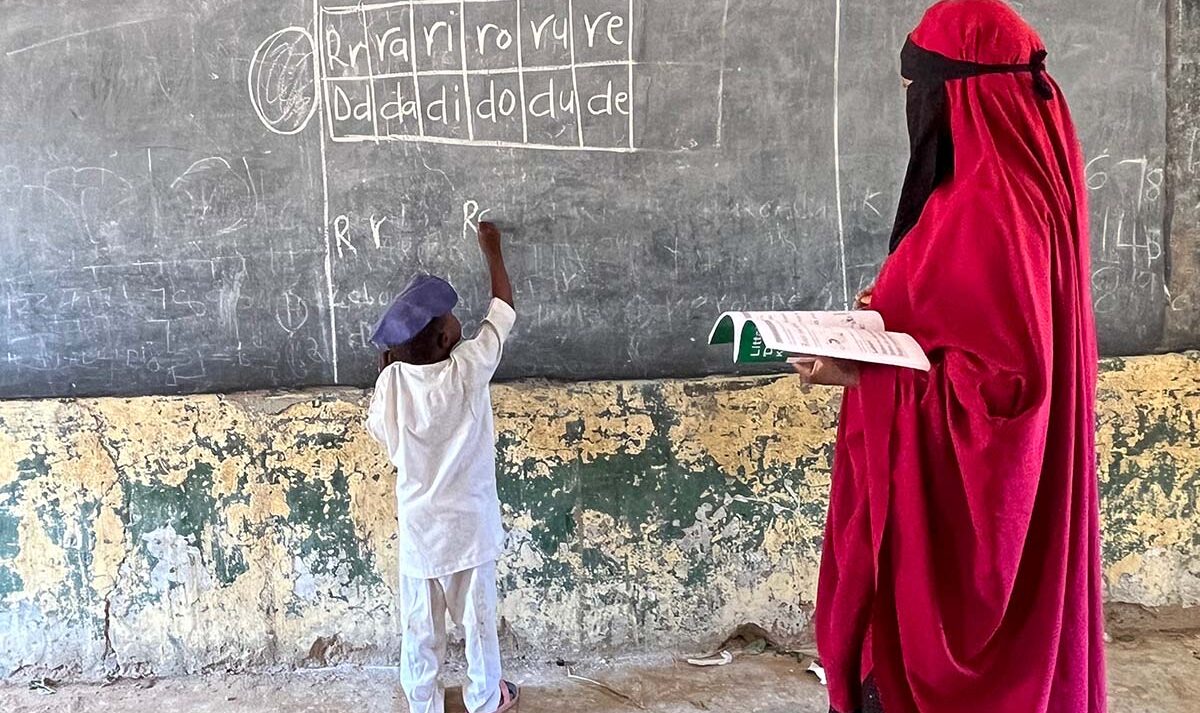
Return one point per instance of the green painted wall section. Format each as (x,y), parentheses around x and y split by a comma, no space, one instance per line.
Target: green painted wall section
(185,534)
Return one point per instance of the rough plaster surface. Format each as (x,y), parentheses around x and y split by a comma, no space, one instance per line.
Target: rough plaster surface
(169,535)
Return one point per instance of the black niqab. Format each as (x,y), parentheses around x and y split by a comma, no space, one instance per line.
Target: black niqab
(931,148)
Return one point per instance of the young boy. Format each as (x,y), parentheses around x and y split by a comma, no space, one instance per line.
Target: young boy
(432,412)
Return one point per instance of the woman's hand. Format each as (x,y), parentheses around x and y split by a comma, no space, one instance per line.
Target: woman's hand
(823,371)
(863,299)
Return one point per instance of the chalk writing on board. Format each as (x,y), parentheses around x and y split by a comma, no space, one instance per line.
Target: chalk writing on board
(291,312)
(467,72)
(1127,247)
(283,79)
(471,217)
(217,197)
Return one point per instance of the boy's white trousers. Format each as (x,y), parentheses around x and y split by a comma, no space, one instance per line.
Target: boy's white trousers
(470,599)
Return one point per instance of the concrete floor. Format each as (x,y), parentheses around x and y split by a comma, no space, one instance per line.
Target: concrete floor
(1160,674)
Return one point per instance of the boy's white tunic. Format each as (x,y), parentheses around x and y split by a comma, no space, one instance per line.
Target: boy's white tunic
(435,421)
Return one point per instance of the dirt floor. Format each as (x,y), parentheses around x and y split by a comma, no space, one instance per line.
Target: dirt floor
(1147,675)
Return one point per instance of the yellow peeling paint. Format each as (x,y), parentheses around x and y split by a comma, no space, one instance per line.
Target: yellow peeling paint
(226,476)
(1148,418)
(1149,578)
(1153,375)
(91,464)
(10,453)
(110,547)
(267,501)
(152,438)
(613,419)
(779,419)
(41,564)
(712,517)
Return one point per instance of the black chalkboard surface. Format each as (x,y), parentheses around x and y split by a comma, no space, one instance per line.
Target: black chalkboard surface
(223,195)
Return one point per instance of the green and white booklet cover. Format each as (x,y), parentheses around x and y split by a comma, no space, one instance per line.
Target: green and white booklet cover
(765,337)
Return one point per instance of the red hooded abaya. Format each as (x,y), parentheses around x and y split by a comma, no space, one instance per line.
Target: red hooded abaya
(961,565)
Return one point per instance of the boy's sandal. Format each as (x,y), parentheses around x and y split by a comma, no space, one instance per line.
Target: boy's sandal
(510,697)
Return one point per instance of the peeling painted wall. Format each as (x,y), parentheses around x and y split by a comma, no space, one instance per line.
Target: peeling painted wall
(166,535)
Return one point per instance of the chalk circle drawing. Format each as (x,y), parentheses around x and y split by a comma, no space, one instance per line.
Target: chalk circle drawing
(215,195)
(283,81)
(103,203)
(291,312)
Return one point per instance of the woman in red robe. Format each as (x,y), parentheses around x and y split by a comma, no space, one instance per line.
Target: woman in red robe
(961,567)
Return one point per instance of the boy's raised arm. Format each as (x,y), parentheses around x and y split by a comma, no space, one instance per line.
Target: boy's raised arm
(489,242)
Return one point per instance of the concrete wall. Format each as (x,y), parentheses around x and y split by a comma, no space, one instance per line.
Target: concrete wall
(181,534)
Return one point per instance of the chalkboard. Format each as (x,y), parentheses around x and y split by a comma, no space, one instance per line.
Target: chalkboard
(222,195)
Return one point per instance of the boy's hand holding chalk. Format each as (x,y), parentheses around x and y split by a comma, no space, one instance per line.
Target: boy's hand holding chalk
(490,244)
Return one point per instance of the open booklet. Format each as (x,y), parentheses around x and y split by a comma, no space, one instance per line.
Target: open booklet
(763,337)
